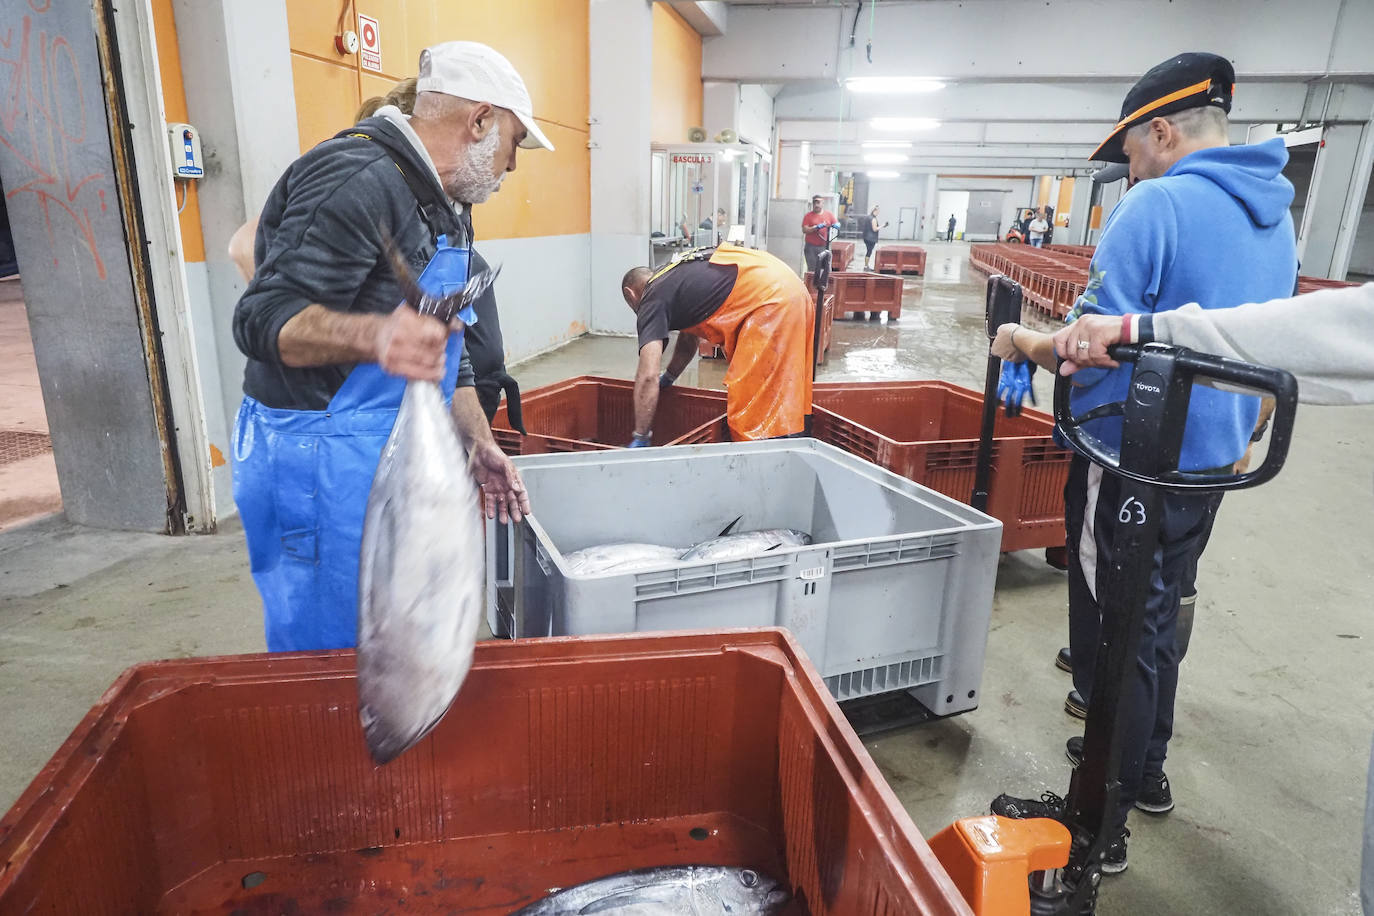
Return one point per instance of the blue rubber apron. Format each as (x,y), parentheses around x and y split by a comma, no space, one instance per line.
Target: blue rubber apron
(301,482)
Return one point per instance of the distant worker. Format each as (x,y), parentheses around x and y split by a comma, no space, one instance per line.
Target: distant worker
(868,225)
(816,226)
(746,301)
(720,220)
(1038,228)
(949,229)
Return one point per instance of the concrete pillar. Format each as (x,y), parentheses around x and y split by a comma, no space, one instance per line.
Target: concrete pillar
(621,40)
(94,335)
(932,196)
(1335,199)
(794,171)
(1080,212)
(235,54)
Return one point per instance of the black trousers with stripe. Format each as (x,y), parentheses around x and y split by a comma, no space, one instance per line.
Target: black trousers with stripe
(1093,504)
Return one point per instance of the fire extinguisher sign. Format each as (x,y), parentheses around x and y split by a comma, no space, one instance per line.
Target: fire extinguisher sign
(369,43)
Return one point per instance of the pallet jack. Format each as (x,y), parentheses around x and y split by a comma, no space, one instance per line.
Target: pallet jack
(1153,417)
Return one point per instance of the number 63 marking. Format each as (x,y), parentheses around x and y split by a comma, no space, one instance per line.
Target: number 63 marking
(1131,510)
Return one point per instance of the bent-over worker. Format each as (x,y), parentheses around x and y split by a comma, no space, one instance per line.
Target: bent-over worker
(749,303)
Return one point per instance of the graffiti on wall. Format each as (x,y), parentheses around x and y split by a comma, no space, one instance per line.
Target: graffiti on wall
(46,115)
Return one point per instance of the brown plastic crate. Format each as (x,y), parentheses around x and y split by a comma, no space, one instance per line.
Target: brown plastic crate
(928,432)
(841,253)
(243,785)
(902,259)
(589,412)
(860,291)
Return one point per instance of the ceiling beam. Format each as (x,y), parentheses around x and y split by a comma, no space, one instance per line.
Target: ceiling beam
(708,17)
(1258,103)
(1010,39)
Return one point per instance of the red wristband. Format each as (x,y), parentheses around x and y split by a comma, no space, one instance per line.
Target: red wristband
(1127,335)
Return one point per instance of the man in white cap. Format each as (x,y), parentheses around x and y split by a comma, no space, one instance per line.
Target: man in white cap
(330,345)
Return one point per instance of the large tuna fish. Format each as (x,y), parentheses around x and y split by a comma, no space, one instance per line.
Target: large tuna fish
(619,558)
(746,544)
(698,889)
(422,567)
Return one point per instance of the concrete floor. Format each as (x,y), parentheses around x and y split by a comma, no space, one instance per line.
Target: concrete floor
(1275,708)
(28,487)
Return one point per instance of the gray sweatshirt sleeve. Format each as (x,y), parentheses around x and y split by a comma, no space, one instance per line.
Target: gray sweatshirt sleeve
(1325,338)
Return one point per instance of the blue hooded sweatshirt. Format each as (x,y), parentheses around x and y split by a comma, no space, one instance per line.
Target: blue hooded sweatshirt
(1215,230)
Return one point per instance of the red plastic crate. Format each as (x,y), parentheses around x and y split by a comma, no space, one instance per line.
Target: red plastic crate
(860,291)
(243,785)
(841,253)
(902,259)
(928,432)
(590,412)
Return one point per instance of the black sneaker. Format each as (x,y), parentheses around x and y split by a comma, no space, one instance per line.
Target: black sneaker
(1073,749)
(1155,797)
(1075,705)
(1114,859)
(1049,805)
(1064,661)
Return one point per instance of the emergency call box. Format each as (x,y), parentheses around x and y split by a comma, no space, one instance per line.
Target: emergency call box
(184,146)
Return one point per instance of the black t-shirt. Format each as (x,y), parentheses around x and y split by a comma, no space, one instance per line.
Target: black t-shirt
(683,297)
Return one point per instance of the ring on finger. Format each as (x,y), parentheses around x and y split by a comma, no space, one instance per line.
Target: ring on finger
(1082,345)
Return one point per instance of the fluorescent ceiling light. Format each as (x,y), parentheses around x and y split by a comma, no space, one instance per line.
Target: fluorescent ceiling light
(887,144)
(904,123)
(893,85)
(885,158)
(882,174)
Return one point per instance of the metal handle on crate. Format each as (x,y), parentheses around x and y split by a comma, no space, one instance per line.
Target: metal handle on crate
(1155,412)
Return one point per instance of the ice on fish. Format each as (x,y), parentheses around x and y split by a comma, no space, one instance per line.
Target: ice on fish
(704,889)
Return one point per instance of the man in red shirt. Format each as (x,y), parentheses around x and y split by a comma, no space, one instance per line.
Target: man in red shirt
(816,227)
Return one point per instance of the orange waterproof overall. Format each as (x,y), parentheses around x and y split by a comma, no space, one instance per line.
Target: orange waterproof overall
(765,327)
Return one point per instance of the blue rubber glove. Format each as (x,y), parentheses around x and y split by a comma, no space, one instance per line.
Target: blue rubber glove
(641,441)
(665,380)
(1014,385)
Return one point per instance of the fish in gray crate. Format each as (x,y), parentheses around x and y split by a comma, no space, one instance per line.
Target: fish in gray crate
(619,558)
(727,546)
(703,890)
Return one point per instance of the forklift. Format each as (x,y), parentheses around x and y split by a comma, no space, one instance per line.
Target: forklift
(1048,867)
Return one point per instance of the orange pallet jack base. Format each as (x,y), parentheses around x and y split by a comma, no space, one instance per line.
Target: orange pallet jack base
(990,859)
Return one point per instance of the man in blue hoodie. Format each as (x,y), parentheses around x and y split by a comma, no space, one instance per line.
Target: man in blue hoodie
(1202,222)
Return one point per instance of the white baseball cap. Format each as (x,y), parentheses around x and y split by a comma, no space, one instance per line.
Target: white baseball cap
(471,70)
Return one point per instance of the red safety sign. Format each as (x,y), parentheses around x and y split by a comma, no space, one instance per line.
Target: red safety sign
(370,43)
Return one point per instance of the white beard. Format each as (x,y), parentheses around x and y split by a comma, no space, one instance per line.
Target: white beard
(473,180)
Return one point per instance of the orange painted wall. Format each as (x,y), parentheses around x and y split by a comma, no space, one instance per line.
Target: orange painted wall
(1061,208)
(546,40)
(676,76)
(174,102)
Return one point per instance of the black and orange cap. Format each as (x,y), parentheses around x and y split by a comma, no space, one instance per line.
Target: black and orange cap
(1191,80)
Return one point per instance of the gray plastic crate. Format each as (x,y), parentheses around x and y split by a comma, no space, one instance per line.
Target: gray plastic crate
(895,593)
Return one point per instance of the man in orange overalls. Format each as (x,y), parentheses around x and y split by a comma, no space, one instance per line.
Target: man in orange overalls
(749,303)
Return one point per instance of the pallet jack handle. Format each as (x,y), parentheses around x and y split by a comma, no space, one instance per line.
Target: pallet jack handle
(1157,408)
(1153,418)
(821,279)
(1003,306)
